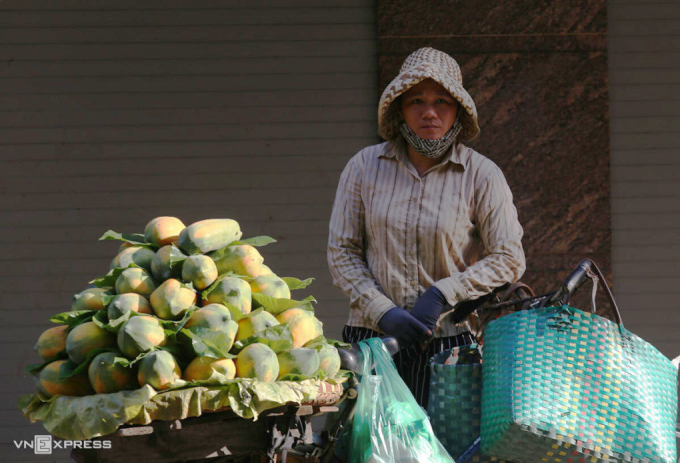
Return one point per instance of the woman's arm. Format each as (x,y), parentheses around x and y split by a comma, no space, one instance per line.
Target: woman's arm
(346,245)
(501,235)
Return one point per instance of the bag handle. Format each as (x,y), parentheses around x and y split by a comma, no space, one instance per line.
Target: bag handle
(585,269)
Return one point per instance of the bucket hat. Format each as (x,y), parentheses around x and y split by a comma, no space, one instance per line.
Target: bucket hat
(426,63)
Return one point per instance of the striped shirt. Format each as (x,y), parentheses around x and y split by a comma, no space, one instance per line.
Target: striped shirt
(393,233)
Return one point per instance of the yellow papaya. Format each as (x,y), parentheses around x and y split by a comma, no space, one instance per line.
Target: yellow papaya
(209,235)
(137,255)
(85,337)
(163,230)
(199,270)
(172,299)
(51,342)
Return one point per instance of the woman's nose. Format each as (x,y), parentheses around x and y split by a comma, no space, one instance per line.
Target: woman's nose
(429,112)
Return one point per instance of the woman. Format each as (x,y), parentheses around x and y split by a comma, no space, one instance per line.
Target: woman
(421,222)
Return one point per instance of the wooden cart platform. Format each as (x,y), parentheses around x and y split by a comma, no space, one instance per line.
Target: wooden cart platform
(220,436)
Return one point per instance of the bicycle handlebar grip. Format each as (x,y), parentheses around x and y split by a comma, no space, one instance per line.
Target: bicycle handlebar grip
(573,282)
(353,360)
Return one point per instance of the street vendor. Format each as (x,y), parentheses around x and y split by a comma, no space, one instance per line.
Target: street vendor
(421,222)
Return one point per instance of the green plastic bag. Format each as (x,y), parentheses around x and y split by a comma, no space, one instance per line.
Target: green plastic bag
(389,425)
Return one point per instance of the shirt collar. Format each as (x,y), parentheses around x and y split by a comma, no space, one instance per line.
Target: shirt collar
(396,149)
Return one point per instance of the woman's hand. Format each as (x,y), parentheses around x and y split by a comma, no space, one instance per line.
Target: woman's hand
(429,307)
(405,327)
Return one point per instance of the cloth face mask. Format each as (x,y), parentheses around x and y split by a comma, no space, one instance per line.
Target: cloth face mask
(433,149)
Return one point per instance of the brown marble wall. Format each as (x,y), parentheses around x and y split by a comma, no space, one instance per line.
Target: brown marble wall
(537,71)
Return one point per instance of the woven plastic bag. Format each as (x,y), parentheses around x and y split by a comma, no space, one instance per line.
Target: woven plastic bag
(562,385)
(455,402)
(389,426)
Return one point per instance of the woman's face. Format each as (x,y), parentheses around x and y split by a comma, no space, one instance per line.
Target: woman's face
(429,110)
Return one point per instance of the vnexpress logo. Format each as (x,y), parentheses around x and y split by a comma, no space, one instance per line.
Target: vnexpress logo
(43,444)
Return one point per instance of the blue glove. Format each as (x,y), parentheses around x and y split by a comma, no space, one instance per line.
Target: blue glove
(402,325)
(429,307)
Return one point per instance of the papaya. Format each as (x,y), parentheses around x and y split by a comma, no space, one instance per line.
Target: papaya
(270,285)
(232,292)
(167,263)
(140,334)
(211,317)
(51,342)
(242,259)
(289,314)
(202,368)
(209,235)
(329,360)
(128,302)
(298,361)
(159,369)
(85,337)
(265,270)
(137,255)
(199,270)
(163,230)
(124,245)
(257,361)
(91,299)
(254,323)
(214,318)
(135,280)
(172,299)
(48,384)
(303,324)
(106,375)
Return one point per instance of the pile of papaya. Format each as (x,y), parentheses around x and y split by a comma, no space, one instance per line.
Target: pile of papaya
(183,305)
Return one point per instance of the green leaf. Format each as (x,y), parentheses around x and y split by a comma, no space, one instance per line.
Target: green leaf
(141,356)
(172,327)
(122,361)
(107,299)
(73,317)
(176,351)
(317,343)
(25,400)
(136,239)
(294,283)
(275,305)
(278,338)
(319,374)
(102,321)
(35,368)
(256,241)
(116,323)
(109,280)
(215,379)
(209,343)
(336,343)
(79,418)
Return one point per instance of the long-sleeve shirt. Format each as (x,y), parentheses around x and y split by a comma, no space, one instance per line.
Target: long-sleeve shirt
(393,233)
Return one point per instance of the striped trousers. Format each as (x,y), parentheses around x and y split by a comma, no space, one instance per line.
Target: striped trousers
(412,361)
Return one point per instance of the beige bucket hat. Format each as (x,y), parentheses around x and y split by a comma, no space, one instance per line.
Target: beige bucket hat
(426,63)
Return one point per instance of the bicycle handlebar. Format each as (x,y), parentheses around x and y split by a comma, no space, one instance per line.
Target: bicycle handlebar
(353,360)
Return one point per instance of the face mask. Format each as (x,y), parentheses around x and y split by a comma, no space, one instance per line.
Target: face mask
(433,149)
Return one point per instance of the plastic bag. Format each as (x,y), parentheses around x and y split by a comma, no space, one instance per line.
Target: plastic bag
(389,425)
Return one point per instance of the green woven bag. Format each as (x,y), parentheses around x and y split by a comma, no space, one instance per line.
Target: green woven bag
(455,400)
(566,386)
